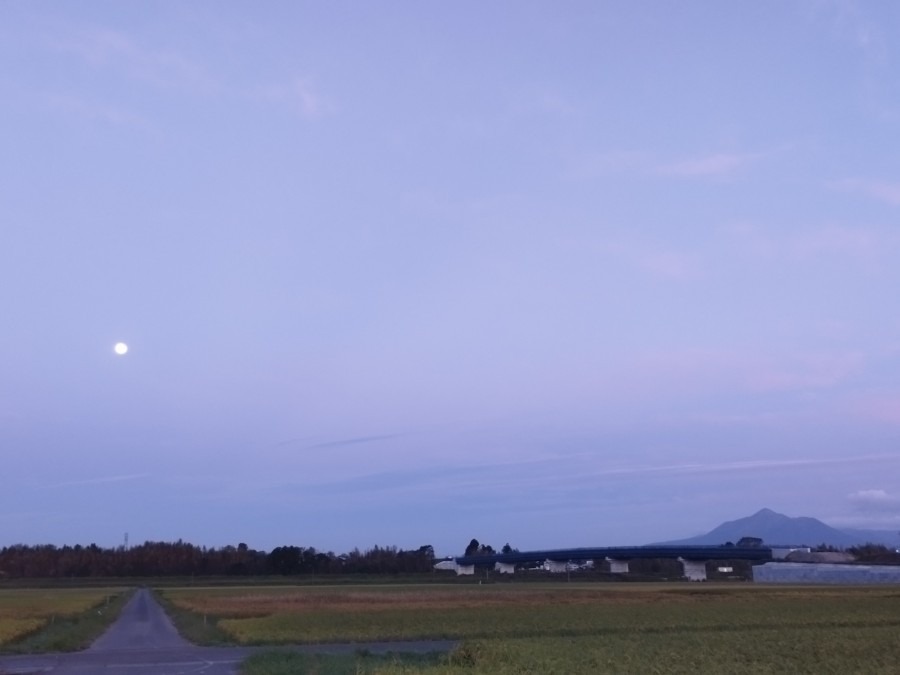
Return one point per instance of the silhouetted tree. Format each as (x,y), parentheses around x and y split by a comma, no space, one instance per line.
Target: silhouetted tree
(874,553)
(285,560)
(183,559)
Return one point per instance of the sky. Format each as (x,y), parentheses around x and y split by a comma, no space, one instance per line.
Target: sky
(402,273)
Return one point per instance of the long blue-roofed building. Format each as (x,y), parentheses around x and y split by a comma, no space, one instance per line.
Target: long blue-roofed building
(692,558)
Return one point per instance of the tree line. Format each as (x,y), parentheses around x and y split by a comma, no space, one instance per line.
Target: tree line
(162,559)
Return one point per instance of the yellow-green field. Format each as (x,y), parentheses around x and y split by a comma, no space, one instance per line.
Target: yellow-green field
(574,628)
(26,612)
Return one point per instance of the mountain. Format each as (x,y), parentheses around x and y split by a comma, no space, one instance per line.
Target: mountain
(776,528)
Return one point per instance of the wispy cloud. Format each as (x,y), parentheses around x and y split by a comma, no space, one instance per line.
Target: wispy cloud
(850,23)
(807,371)
(104,47)
(875,500)
(884,407)
(127,55)
(350,441)
(291,441)
(554,103)
(719,164)
(101,112)
(882,190)
(701,165)
(727,419)
(656,259)
(672,265)
(662,373)
(100,480)
(589,166)
(833,239)
(746,465)
(864,245)
(550,475)
(301,94)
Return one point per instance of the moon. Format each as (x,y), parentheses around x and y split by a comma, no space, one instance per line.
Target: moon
(121,348)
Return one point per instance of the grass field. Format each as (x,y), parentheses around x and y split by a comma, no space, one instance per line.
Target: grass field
(280,663)
(571,628)
(44,619)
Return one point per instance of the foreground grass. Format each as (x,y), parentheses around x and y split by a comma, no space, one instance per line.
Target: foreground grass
(48,620)
(195,624)
(285,663)
(640,628)
(757,651)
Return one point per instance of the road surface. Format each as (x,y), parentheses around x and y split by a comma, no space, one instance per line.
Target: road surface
(143,641)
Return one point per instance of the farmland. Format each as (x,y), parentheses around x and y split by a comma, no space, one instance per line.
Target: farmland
(566,628)
(55,619)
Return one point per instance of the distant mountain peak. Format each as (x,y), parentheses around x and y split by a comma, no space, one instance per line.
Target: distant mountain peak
(778,529)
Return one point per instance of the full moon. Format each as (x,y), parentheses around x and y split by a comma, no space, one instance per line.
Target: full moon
(120,348)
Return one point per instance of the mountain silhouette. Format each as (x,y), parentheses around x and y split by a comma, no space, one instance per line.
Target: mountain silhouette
(778,529)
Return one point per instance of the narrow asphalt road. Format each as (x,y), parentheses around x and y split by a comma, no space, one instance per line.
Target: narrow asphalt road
(143,641)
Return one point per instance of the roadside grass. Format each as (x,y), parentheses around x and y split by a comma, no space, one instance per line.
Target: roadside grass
(12,629)
(755,652)
(196,625)
(738,652)
(361,663)
(652,628)
(48,620)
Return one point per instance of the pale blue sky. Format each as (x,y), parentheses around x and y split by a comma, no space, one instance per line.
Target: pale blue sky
(557,274)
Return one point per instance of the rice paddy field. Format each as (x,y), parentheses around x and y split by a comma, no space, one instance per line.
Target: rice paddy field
(569,628)
(28,615)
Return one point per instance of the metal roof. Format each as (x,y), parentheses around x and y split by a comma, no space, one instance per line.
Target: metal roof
(623,553)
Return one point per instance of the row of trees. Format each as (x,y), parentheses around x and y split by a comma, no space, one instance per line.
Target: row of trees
(160,559)
(475,549)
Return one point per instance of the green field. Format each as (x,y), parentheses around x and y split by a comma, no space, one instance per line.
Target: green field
(505,628)
(566,628)
(54,619)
